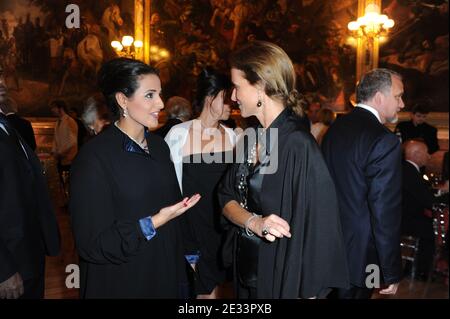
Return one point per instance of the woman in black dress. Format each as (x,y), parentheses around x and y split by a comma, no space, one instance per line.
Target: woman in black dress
(201,158)
(125,197)
(279,194)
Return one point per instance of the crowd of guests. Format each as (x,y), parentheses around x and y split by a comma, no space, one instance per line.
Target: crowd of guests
(298,205)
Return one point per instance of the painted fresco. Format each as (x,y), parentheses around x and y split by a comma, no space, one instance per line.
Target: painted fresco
(43,59)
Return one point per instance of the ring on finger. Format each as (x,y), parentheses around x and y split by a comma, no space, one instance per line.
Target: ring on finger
(265,231)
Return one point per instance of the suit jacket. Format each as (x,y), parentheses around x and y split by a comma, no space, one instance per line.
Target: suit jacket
(364,159)
(24,128)
(82,133)
(425,131)
(417,196)
(163,130)
(28,227)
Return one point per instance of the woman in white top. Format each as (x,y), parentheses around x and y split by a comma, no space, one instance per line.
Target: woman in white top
(202,150)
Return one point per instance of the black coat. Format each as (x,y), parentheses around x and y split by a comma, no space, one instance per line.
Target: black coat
(163,130)
(417,196)
(364,159)
(301,192)
(28,227)
(82,134)
(113,185)
(24,128)
(424,131)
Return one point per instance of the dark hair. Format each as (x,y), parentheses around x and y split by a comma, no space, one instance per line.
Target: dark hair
(326,116)
(421,108)
(376,80)
(209,83)
(60,104)
(267,64)
(74,110)
(121,75)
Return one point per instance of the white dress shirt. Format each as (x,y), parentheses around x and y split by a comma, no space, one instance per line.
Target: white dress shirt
(371,110)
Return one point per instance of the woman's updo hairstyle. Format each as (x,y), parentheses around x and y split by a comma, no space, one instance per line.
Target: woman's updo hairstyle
(209,83)
(121,75)
(266,64)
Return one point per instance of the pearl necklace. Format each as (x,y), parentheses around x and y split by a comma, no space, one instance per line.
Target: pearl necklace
(142,144)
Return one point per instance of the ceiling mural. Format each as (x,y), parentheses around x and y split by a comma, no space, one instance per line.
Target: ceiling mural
(43,59)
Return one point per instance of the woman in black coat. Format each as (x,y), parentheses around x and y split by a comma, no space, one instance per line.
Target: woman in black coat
(279,194)
(125,196)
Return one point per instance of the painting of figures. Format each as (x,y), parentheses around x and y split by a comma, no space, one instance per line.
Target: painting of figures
(43,59)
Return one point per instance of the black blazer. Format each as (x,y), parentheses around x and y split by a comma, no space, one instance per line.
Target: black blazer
(24,128)
(417,196)
(163,130)
(424,131)
(364,159)
(28,227)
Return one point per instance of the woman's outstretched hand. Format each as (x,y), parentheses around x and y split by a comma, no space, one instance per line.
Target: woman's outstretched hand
(271,227)
(170,212)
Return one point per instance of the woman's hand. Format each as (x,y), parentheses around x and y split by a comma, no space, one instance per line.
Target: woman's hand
(168,213)
(270,227)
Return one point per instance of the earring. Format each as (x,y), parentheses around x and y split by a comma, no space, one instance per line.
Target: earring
(125,113)
(259,104)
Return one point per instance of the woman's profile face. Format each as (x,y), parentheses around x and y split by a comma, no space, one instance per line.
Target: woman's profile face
(146,103)
(218,107)
(244,94)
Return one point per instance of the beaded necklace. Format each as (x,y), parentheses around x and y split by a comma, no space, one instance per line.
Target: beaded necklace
(142,144)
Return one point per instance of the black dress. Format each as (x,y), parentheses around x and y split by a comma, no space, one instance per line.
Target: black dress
(299,189)
(114,184)
(248,246)
(201,224)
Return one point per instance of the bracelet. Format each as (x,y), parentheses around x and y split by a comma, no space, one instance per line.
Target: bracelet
(247,230)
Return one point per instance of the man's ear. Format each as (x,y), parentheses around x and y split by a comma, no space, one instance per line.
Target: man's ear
(121,100)
(379,98)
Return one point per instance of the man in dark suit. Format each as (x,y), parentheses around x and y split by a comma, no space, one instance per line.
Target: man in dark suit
(82,131)
(417,197)
(21,125)
(178,110)
(418,128)
(364,159)
(28,228)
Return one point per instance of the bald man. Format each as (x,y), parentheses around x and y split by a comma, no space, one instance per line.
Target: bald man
(417,196)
